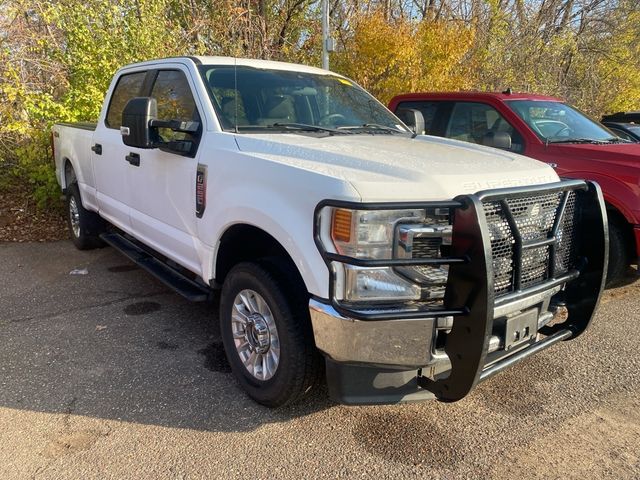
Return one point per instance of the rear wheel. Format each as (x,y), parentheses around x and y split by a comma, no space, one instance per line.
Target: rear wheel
(85,226)
(266,332)
(619,259)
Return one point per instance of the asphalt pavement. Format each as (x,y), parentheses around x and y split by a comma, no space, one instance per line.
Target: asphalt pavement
(104,373)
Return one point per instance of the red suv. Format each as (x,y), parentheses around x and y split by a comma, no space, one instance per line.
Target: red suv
(549,130)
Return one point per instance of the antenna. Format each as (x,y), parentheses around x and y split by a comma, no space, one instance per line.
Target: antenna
(235,90)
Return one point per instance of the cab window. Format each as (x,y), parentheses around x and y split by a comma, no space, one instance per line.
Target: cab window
(429,112)
(175,102)
(128,87)
(479,123)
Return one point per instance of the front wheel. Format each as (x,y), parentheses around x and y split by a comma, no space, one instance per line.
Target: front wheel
(84,226)
(266,332)
(619,259)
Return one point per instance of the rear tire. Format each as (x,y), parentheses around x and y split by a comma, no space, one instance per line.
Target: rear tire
(281,366)
(85,227)
(619,259)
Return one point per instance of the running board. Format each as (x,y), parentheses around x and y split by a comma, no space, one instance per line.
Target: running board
(156,267)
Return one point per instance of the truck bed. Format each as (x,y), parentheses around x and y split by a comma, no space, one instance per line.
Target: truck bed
(72,144)
(83,125)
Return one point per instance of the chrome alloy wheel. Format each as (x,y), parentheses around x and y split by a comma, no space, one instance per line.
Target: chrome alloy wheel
(255,334)
(74,216)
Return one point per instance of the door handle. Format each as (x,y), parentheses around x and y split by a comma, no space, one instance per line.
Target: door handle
(97,149)
(133,159)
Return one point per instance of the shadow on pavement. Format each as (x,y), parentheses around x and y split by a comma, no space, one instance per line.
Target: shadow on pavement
(114,343)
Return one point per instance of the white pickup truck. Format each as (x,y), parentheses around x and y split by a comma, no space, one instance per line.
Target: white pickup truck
(416,266)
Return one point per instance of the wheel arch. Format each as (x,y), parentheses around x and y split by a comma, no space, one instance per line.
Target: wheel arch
(617,195)
(69,175)
(242,242)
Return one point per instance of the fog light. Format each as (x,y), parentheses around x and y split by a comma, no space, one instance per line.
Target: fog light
(377,284)
(560,315)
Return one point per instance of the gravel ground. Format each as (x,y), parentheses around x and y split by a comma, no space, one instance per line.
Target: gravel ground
(109,375)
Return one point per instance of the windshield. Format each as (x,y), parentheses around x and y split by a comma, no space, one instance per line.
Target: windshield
(557,122)
(250,99)
(634,129)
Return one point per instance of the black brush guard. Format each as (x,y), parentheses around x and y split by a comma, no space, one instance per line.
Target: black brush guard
(470,297)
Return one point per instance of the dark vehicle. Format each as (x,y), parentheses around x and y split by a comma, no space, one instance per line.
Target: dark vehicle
(625,125)
(626,131)
(624,117)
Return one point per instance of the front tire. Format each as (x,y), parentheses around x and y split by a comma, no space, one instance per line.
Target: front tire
(619,259)
(85,226)
(266,332)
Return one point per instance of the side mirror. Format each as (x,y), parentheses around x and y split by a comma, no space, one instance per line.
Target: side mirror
(136,120)
(140,127)
(497,140)
(412,118)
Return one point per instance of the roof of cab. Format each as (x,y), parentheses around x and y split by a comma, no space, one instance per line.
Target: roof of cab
(470,95)
(247,62)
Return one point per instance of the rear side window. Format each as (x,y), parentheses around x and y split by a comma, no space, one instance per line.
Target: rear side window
(175,102)
(128,87)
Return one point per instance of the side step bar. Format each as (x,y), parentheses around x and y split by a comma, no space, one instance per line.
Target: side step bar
(163,272)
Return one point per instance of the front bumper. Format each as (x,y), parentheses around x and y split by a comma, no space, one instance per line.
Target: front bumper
(401,344)
(370,355)
(389,343)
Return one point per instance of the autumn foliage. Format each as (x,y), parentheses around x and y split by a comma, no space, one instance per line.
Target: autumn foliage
(57,57)
(388,57)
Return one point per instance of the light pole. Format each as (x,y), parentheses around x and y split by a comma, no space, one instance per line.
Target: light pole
(327,41)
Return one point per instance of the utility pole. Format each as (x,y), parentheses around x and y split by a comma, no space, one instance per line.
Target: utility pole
(327,41)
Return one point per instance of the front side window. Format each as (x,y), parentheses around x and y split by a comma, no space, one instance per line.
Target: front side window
(635,129)
(256,99)
(557,122)
(175,102)
(128,87)
(480,123)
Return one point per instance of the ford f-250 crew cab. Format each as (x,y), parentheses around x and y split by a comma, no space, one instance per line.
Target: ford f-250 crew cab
(416,266)
(549,130)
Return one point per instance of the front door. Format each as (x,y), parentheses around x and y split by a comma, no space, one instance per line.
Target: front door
(162,183)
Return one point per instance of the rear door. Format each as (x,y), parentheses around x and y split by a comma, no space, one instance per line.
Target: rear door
(162,184)
(108,152)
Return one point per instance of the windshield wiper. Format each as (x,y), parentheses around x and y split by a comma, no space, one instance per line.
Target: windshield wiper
(303,127)
(586,140)
(372,127)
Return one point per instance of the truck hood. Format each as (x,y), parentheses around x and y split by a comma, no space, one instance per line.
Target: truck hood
(392,167)
(627,154)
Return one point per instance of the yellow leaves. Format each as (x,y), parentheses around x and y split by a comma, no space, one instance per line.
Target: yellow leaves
(380,55)
(445,55)
(391,57)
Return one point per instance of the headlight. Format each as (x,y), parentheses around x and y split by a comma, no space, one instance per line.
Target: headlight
(368,233)
(378,235)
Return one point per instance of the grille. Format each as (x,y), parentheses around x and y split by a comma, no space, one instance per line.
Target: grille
(534,218)
(432,278)
(426,247)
